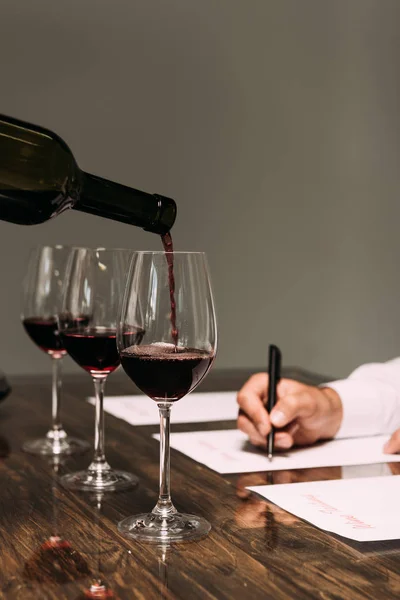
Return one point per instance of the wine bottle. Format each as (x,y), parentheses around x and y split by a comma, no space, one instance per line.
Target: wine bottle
(40,179)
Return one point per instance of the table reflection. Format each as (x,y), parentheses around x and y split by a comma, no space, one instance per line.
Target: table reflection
(254,512)
(163,551)
(104,555)
(395,468)
(97,590)
(282,477)
(4,447)
(107,558)
(55,560)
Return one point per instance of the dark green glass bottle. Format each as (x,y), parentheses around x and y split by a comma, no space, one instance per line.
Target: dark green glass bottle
(39,179)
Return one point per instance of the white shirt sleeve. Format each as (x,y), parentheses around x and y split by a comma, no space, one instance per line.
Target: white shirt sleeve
(371,399)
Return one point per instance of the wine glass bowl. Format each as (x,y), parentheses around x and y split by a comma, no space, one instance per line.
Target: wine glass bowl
(43,331)
(41,309)
(164,372)
(96,279)
(169,298)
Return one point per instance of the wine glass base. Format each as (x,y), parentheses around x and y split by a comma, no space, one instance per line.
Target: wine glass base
(178,527)
(105,481)
(54,447)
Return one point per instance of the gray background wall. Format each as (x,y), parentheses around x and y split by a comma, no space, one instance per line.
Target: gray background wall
(274,123)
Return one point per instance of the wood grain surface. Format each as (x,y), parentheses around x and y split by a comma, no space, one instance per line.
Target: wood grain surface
(54,544)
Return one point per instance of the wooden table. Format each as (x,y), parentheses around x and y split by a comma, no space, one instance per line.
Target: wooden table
(255,550)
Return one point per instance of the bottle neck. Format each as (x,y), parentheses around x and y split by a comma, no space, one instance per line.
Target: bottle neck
(105,198)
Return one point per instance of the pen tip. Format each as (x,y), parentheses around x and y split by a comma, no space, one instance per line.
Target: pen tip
(270,457)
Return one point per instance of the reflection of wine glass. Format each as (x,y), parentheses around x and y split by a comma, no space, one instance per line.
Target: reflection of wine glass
(96,279)
(98,587)
(96,591)
(55,561)
(42,296)
(164,371)
(163,568)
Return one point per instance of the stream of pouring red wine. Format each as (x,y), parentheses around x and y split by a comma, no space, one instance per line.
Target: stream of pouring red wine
(169,255)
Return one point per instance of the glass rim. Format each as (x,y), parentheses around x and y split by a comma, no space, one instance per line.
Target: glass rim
(51,246)
(74,247)
(98,248)
(163,252)
(112,249)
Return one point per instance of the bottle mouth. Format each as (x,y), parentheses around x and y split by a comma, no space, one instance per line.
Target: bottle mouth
(166,215)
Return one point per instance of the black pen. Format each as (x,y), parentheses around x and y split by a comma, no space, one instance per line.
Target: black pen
(274,375)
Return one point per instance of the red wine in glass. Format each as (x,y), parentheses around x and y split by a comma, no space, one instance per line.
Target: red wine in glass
(164,371)
(95,348)
(44,332)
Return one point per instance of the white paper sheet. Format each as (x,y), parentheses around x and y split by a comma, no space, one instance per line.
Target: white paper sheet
(229,451)
(195,408)
(365,510)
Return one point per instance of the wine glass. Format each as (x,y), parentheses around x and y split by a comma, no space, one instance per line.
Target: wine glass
(42,299)
(95,284)
(169,297)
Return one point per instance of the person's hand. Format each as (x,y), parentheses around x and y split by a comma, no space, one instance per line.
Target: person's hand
(392,446)
(302,415)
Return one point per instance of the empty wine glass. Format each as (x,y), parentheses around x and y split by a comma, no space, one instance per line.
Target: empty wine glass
(42,301)
(95,284)
(169,297)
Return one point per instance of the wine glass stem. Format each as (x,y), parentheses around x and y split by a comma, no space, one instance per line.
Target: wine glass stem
(164,506)
(56,394)
(99,459)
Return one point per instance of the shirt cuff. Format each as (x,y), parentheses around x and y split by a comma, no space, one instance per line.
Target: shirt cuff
(361,408)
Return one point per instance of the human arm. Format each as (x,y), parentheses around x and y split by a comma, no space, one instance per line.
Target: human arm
(366,403)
